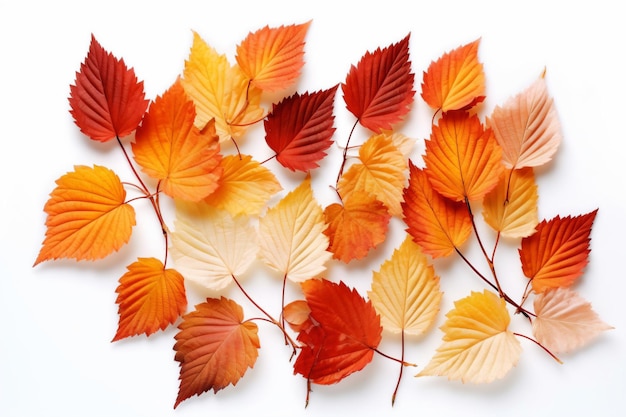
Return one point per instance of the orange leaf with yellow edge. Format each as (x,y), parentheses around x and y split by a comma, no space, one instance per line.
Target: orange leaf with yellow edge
(456,80)
(150,298)
(291,235)
(565,321)
(88,218)
(439,225)
(215,347)
(557,253)
(245,186)
(273,57)
(357,226)
(169,148)
(477,345)
(463,160)
(380,172)
(220,91)
(511,207)
(527,127)
(405,291)
(106,99)
(210,246)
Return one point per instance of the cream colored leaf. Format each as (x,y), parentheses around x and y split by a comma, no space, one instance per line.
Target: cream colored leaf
(292,239)
(405,292)
(209,246)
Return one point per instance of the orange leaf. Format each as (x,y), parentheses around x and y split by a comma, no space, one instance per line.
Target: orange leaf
(106,99)
(558,252)
(357,226)
(379,90)
(297,314)
(342,335)
(527,127)
(456,80)
(87,216)
(463,160)
(299,129)
(273,57)
(437,224)
(245,186)
(477,345)
(150,298)
(380,172)
(215,347)
(171,149)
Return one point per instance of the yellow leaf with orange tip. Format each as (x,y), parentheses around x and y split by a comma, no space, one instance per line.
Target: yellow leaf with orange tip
(380,172)
(245,186)
(357,226)
(150,298)
(511,207)
(456,80)
(477,345)
(291,235)
(273,57)
(220,91)
(405,292)
(88,218)
(463,160)
(171,149)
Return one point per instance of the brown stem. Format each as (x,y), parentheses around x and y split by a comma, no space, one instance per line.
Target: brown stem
(541,346)
(395,391)
(345,153)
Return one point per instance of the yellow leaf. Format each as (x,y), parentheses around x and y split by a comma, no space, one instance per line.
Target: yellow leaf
(209,246)
(245,186)
(292,239)
(380,172)
(477,345)
(220,91)
(87,216)
(405,292)
(511,207)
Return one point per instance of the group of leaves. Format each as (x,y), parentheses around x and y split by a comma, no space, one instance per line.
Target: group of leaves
(186,144)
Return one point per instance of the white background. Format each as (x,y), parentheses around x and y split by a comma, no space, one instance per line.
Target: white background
(56,358)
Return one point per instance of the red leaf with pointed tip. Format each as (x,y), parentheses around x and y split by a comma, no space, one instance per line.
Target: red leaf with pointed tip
(106,99)
(379,90)
(300,127)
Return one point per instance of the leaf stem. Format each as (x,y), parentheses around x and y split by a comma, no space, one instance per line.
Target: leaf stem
(541,346)
(395,391)
(345,153)
(400,361)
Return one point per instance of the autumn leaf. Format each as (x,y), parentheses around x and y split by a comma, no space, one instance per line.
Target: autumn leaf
(172,150)
(106,100)
(380,172)
(511,207)
(88,218)
(456,80)
(558,252)
(437,224)
(245,186)
(210,246)
(477,345)
(297,314)
(215,347)
(343,334)
(299,129)
(405,292)
(273,57)
(220,91)
(150,298)
(379,90)
(527,127)
(357,226)
(291,235)
(463,160)
(565,321)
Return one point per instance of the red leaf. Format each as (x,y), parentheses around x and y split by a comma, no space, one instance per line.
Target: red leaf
(342,335)
(558,251)
(300,127)
(106,101)
(379,90)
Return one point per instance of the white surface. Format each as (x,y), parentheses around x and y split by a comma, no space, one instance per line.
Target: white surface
(59,318)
